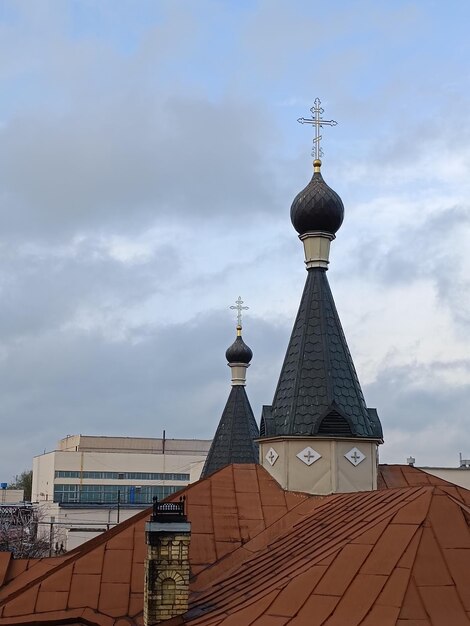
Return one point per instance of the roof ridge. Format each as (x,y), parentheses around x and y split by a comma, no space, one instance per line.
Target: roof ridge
(430,528)
(301,351)
(377,540)
(305,558)
(443,489)
(367,495)
(5,558)
(428,525)
(411,581)
(74,555)
(79,615)
(357,389)
(462,505)
(244,546)
(236,434)
(318,370)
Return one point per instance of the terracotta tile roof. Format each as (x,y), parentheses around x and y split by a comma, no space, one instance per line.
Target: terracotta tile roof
(5,558)
(391,476)
(106,574)
(387,551)
(264,557)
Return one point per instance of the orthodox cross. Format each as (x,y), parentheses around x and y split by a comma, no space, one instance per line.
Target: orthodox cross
(238,306)
(355,457)
(318,122)
(272,457)
(309,456)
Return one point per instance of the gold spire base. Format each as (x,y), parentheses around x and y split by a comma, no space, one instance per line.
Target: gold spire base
(316,165)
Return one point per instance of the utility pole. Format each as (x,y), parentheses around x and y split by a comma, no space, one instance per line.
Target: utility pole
(51,534)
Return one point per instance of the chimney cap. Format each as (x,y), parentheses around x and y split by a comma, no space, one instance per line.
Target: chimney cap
(168,512)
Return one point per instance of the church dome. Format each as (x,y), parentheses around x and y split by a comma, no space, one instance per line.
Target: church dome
(317,207)
(239,352)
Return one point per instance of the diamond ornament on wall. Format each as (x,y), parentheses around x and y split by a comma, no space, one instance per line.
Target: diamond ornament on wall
(271,456)
(308,455)
(355,456)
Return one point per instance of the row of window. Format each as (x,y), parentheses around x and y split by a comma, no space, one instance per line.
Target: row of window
(121,475)
(99,494)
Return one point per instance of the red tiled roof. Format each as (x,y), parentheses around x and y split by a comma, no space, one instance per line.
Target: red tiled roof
(391,476)
(356,559)
(264,557)
(105,575)
(5,558)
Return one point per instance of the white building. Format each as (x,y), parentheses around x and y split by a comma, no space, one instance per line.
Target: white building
(458,475)
(91,483)
(10,496)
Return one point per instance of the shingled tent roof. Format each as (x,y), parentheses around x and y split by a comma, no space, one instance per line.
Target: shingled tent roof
(318,392)
(262,556)
(234,440)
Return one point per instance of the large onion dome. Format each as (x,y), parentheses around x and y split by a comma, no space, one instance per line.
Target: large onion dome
(239,352)
(317,207)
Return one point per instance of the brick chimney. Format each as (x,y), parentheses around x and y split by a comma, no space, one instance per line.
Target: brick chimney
(166,587)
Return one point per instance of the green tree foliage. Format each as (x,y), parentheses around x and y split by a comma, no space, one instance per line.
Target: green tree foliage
(23,481)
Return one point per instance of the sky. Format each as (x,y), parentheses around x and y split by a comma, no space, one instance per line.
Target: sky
(149,155)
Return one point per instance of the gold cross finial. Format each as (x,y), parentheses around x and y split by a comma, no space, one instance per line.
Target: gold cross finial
(318,122)
(238,306)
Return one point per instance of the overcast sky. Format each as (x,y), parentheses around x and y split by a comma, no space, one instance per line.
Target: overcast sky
(149,154)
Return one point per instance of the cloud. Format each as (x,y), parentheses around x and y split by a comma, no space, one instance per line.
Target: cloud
(154,379)
(394,243)
(82,284)
(116,140)
(121,168)
(424,411)
(146,174)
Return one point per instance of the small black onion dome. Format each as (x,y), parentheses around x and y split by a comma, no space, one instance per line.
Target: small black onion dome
(317,207)
(239,352)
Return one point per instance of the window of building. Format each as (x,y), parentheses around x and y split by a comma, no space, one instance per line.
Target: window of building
(121,475)
(102,494)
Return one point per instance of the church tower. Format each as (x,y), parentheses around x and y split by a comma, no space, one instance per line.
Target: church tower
(319,436)
(235,438)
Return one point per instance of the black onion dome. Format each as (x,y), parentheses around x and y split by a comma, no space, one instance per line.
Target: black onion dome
(239,352)
(317,207)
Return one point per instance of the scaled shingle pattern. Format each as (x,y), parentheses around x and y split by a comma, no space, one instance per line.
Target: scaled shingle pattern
(234,440)
(317,208)
(318,373)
